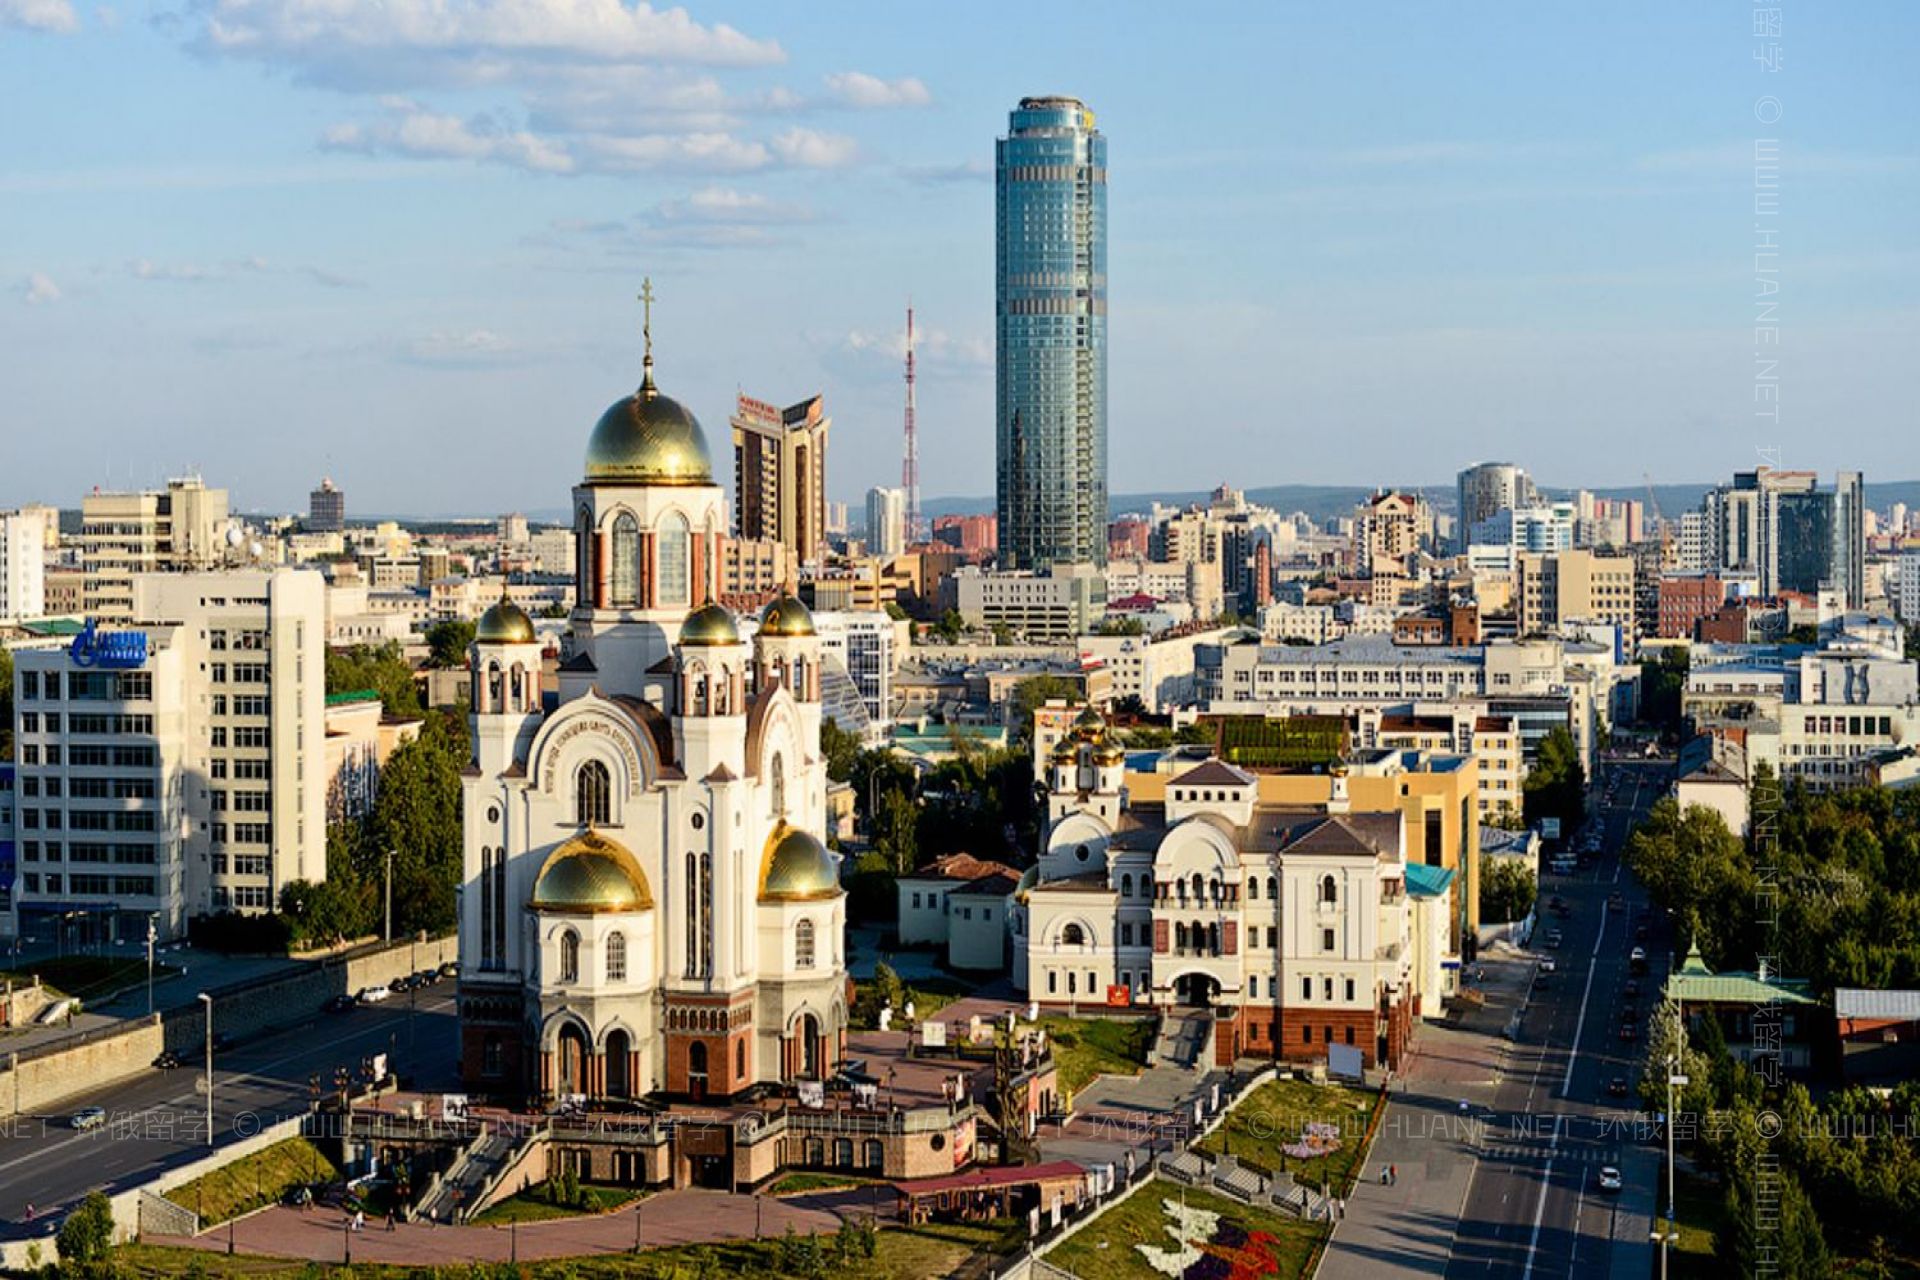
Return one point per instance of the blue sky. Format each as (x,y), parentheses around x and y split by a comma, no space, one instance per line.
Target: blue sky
(399,241)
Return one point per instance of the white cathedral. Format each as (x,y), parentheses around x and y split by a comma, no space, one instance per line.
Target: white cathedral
(646,903)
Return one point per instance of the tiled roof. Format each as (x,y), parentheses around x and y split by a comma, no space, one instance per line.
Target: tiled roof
(1860,1002)
(1213,773)
(1424,881)
(1696,983)
(961,867)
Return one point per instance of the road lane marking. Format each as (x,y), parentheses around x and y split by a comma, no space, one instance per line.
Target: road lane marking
(1573,1053)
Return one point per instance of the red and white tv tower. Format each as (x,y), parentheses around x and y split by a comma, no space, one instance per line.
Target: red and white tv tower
(910,464)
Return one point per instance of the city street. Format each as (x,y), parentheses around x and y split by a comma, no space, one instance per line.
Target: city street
(158,1119)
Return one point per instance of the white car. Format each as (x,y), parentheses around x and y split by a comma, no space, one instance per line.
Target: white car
(1609,1178)
(373,995)
(1546,966)
(88,1118)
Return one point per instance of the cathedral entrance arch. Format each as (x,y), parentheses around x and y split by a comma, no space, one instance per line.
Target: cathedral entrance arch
(1196,990)
(808,1029)
(619,1046)
(570,1074)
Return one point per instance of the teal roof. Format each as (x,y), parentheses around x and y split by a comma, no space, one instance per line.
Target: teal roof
(1694,983)
(938,739)
(1424,881)
(54,627)
(353,695)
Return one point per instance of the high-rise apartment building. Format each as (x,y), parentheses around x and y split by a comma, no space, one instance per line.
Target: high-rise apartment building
(123,534)
(326,508)
(780,474)
(177,766)
(1573,586)
(1050,304)
(1793,535)
(1488,488)
(886,522)
(24,535)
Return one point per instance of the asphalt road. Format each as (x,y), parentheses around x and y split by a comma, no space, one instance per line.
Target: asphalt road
(157,1119)
(1534,1207)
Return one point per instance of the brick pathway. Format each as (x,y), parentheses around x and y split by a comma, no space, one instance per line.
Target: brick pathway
(668,1218)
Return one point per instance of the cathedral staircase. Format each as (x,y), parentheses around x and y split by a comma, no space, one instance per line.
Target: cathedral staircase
(1185,1037)
(452,1196)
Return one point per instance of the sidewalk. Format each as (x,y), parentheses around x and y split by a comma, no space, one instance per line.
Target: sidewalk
(668,1218)
(1410,1226)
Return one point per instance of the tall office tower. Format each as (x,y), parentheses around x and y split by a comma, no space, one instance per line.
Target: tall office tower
(780,474)
(23,561)
(121,534)
(1781,526)
(886,522)
(1488,488)
(326,508)
(1050,305)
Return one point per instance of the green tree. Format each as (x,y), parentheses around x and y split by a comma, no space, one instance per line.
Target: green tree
(1120,627)
(383,669)
(417,817)
(1662,679)
(1667,1037)
(447,644)
(1691,864)
(1556,786)
(1507,890)
(841,750)
(1034,692)
(895,832)
(86,1237)
(949,628)
(895,611)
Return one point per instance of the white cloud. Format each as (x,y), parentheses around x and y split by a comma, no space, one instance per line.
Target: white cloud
(938,349)
(723,204)
(858,89)
(412,130)
(460,349)
(40,15)
(173,273)
(810,149)
(39,289)
(965,171)
(408,42)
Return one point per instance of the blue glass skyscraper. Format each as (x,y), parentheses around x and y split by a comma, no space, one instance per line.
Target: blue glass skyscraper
(1050,304)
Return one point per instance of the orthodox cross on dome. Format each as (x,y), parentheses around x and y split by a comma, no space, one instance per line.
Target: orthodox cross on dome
(646,330)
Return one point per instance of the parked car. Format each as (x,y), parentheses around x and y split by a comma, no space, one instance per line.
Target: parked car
(451,969)
(1617,1087)
(1546,965)
(1609,1178)
(339,1004)
(426,977)
(167,1060)
(373,995)
(88,1118)
(1637,958)
(400,986)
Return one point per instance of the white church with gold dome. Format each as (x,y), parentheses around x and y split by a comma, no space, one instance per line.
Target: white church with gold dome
(646,904)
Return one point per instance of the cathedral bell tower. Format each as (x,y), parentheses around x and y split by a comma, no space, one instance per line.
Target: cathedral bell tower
(505,660)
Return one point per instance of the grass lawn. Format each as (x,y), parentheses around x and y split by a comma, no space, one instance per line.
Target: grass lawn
(1272,1116)
(807,1180)
(917,1253)
(88,977)
(1104,1248)
(252,1181)
(927,995)
(1086,1047)
(532,1204)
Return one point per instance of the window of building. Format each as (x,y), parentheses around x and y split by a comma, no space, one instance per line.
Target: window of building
(1306,988)
(1326,988)
(493,1057)
(1326,939)
(592,794)
(616,957)
(1126,885)
(1253,888)
(803,945)
(569,956)
(624,578)
(673,555)
(1053,979)
(1329,890)
(1306,1035)
(1349,988)
(1073,936)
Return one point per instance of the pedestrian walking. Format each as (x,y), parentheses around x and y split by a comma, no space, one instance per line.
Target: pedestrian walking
(359,1219)
(389,1219)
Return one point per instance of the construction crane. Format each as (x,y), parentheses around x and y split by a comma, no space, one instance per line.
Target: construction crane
(1666,533)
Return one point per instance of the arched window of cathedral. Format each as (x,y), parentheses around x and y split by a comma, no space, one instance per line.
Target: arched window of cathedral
(699,682)
(625,566)
(779,779)
(1273,888)
(673,555)
(518,688)
(493,687)
(1073,936)
(1180,935)
(1253,888)
(1329,891)
(1126,885)
(800,678)
(569,956)
(616,957)
(1199,889)
(706,915)
(592,795)
(803,945)
(693,915)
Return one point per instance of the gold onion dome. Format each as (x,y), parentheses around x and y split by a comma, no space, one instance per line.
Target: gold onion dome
(590,874)
(1089,723)
(504,622)
(710,624)
(1109,752)
(786,616)
(796,867)
(1063,751)
(648,439)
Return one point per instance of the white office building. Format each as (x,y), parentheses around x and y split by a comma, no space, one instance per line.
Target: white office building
(886,522)
(24,536)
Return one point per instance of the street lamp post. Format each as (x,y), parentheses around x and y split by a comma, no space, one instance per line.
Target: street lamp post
(150,919)
(1674,1077)
(207,1000)
(387,932)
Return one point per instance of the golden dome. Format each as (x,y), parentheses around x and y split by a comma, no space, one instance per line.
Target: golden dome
(1089,723)
(710,624)
(590,874)
(786,617)
(796,867)
(648,439)
(504,622)
(1109,753)
(1063,751)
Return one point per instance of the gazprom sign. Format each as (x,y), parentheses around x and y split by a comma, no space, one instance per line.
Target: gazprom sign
(110,650)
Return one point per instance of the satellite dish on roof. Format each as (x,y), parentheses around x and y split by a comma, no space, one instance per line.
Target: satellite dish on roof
(234,536)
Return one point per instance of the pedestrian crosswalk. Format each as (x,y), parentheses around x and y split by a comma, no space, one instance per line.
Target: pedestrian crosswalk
(1541,1152)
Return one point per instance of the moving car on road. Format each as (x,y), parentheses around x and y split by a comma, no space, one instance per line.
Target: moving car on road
(1637,958)
(1609,1178)
(1546,965)
(373,995)
(1617,1087)
(88,1118)
(167,1060)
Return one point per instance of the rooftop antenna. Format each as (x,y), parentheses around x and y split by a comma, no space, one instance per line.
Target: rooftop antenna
(910,464)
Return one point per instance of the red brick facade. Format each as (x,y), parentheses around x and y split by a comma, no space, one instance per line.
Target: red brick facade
(1306,1031)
